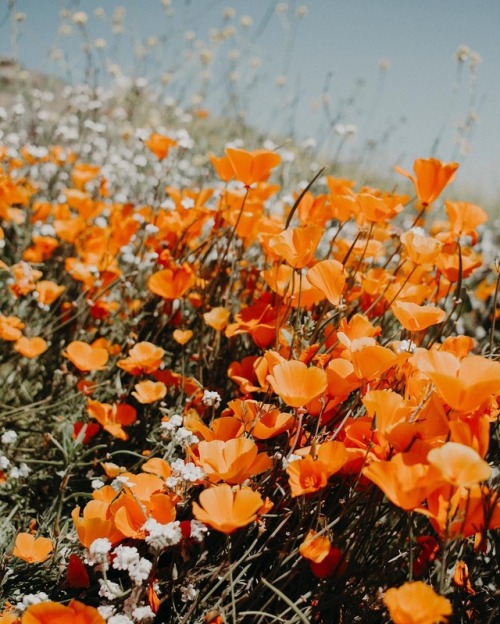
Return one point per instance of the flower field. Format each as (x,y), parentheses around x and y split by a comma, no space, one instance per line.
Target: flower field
(232,392)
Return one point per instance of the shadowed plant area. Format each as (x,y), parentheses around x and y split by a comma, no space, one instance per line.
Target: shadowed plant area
(240,381)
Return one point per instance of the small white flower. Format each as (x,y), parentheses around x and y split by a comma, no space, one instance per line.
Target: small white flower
(188,593)
(126,557)
(143,614)
(211,398)
(8,437)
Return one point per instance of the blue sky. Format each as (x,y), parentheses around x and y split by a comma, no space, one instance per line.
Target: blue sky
(420,97)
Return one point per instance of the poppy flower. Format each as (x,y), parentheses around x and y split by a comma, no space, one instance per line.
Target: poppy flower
(95,522)
(112,418)
(415,317)
(223,167)
(217,318)
(315,547)
(10,328)
(296,245)
(232,461)
(306,476)
(421,249)
(144,357)
(85,357)
(431,176)
(225,510)
(459,465)
(404,479)
(160,145)
(465,217)
(182,336)
(296,384)
(172,283)
(32,549)
(30,347)
(416,603)
(149,391)
(48,291)
(251,167)
(329,277)
(463,384)
(54,612)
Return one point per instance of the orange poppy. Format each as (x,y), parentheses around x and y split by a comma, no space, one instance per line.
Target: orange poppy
(306,476)
(95,522)
(251,167)
(232,461)
(223,167)
(112,418)
(328,276)
(416,603)
(149,391)
(144,357)
(217,318)
(54,612)
(226,510)
(405,480)
(172,283)
(463,384)
(315,547)
(415,317)
(160,145)
(48,291)
(310,474)
(182,336)
(85,357)
(421,249)
(296,245)
(296,384)
(465,217)
(32,549)
(431,176)
(30,347)
(459,465)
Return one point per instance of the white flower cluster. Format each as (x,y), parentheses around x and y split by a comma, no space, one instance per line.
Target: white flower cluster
(8,437)
(127,558)
(31,599)
(189,593)
(161,536)
(211,398)
(172,429)
(98,552)
(184,473)
(198,530)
